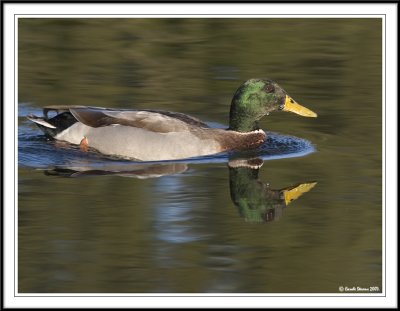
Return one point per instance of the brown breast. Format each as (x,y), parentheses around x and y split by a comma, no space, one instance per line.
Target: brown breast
(231,140)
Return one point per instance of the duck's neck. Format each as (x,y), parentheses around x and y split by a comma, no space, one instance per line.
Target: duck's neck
(243,125)
(242,119)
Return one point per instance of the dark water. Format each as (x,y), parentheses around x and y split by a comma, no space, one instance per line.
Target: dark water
(92,224)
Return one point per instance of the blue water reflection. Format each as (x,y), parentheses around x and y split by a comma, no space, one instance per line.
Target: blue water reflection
(174,212)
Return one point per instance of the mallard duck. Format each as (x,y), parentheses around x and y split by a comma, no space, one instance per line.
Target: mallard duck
(153,135)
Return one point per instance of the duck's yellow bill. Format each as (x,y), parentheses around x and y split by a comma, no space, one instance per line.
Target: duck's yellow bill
(292,106)
(292,193)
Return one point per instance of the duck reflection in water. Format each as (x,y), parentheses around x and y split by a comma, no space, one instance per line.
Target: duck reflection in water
(256,201)
(135,170)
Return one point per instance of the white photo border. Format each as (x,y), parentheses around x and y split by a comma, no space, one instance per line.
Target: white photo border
(386,11)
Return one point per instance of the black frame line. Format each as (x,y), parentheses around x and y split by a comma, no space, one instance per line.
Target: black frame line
(199,2)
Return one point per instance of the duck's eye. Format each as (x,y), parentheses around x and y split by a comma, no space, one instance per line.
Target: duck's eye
(269,88)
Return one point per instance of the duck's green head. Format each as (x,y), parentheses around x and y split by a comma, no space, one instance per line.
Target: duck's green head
(256,98)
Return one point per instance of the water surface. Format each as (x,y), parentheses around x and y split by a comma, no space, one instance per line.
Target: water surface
(92,224)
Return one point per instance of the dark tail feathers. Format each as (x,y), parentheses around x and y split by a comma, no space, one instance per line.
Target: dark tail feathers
(51,127)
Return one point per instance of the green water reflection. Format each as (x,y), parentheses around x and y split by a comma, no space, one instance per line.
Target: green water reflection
(182,232)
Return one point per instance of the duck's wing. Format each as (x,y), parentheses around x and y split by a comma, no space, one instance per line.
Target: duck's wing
(151,120)
(182,117)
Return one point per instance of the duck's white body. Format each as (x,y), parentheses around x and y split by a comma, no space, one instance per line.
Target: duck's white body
(140,144)
(142,135)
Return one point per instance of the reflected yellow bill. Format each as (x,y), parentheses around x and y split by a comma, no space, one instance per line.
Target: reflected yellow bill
(293,193)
